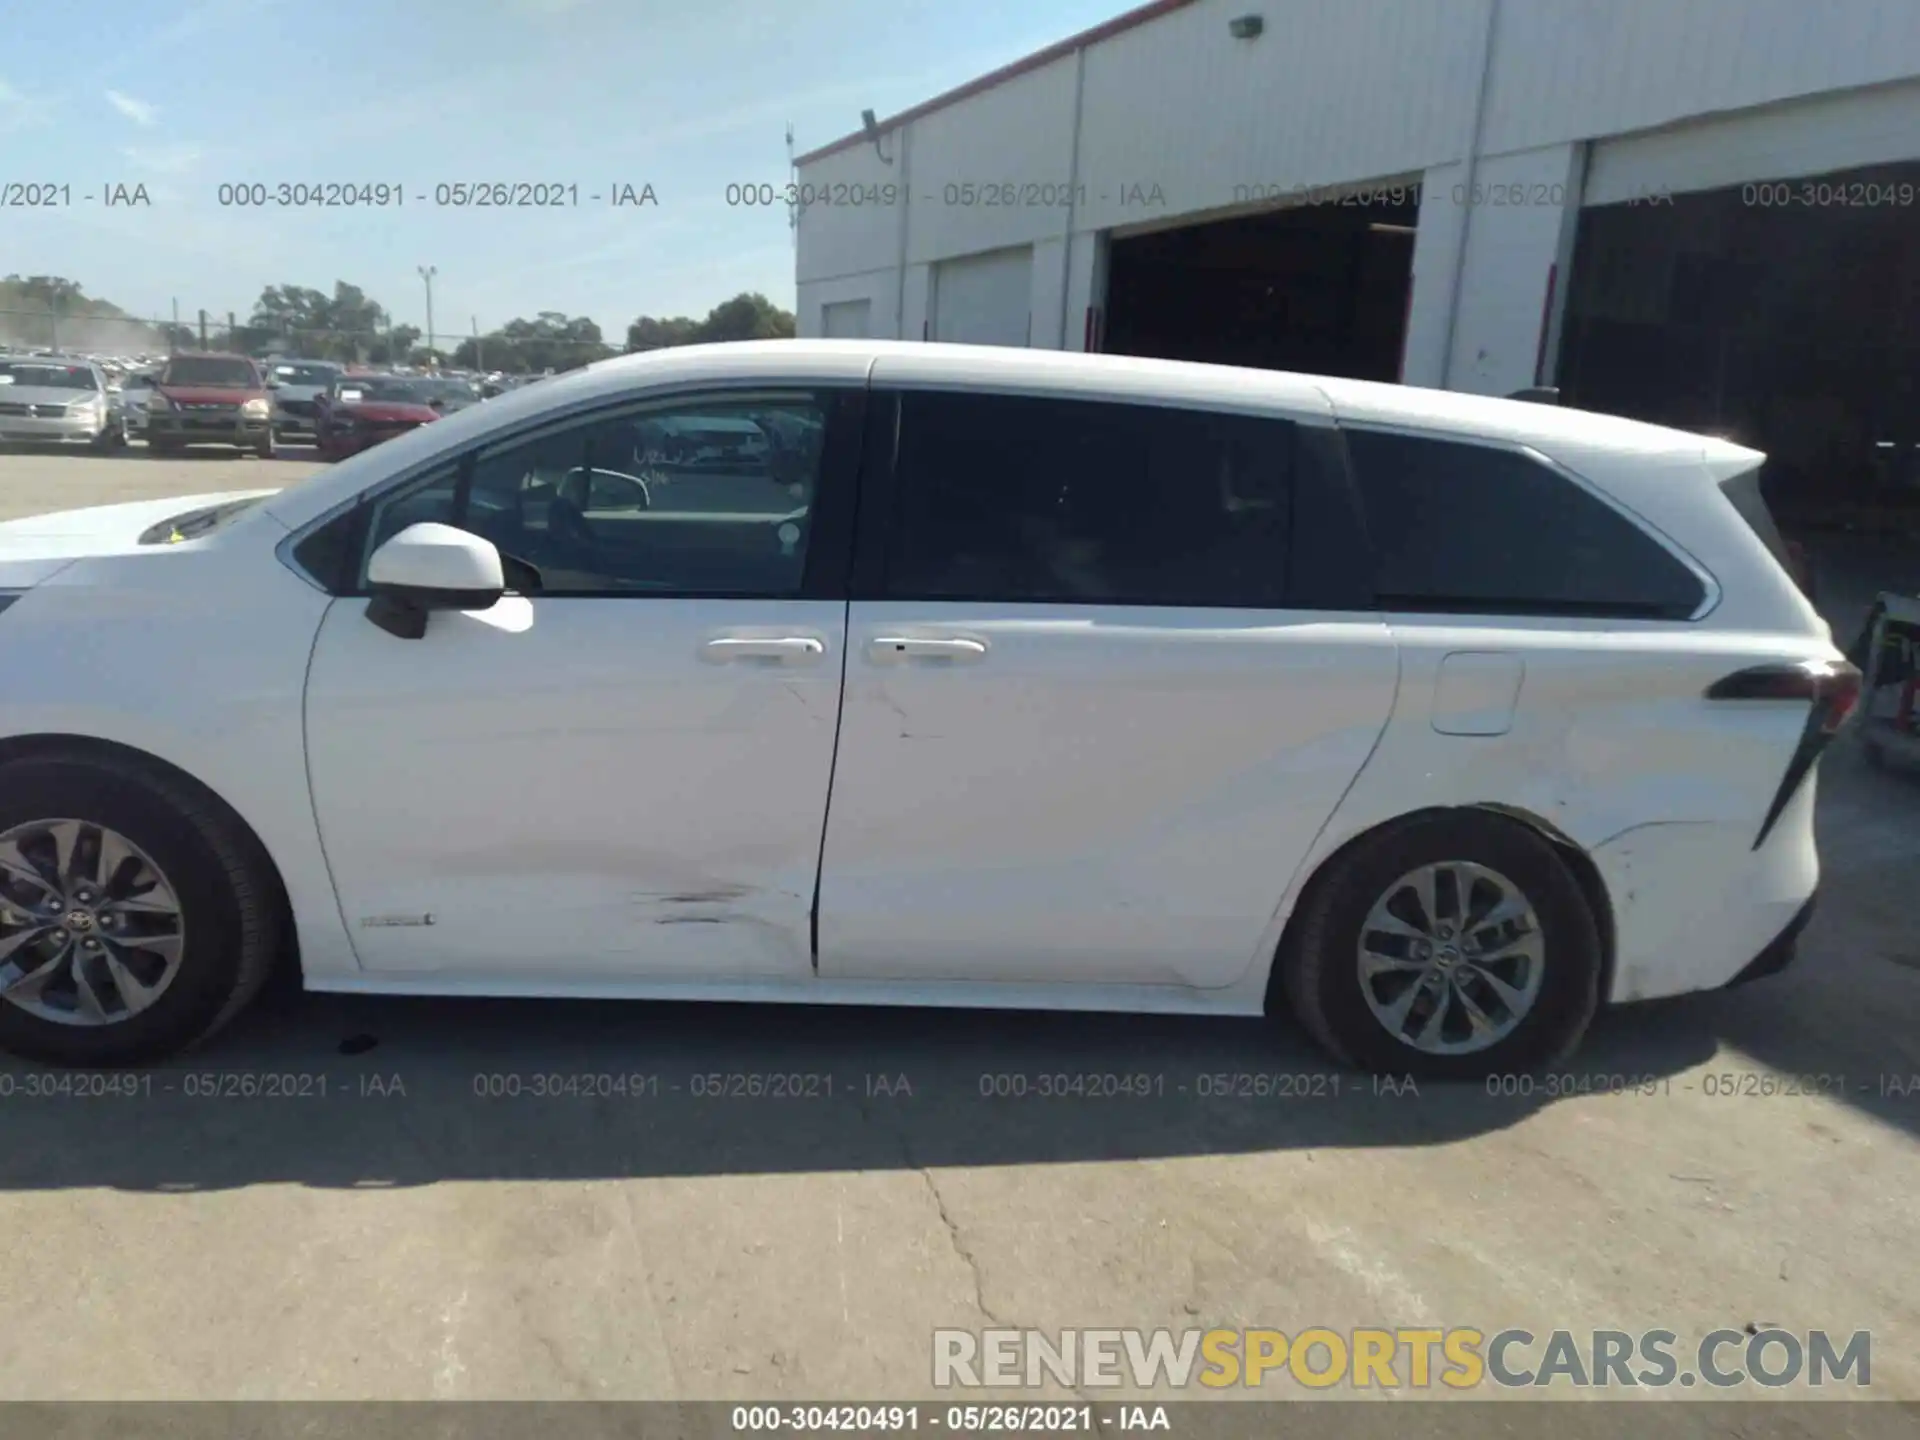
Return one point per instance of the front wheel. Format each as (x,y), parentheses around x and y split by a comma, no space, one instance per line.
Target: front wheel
(1451,946)
(264,447)
(135,918)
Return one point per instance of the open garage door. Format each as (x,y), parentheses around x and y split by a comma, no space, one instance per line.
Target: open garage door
(1317,288)
(984,299)
(1784,314)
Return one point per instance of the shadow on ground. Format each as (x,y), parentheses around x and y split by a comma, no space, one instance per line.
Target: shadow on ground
(384,1092)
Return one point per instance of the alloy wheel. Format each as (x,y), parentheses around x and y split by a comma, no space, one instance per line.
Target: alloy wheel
(1451,958)
(90,928)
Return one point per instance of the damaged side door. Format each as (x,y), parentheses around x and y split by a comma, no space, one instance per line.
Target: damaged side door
(620,772)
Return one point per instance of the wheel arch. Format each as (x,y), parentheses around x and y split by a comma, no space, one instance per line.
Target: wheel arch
(16,748)
(1579,864)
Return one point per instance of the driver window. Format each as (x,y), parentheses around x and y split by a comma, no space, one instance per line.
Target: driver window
(690,497)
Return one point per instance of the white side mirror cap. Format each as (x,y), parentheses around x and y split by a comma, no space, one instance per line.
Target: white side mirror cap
(439,558)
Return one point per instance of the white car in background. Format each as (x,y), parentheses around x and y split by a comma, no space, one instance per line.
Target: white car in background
(131,401)
(1037,680)
(297,386)
(57,402)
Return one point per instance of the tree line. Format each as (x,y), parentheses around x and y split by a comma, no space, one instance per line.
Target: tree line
(348,325)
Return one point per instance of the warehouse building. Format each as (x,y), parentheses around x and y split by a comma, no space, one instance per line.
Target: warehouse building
(1702,212)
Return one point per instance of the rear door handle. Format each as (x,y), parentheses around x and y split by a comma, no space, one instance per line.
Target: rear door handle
(885,648)
(789,649)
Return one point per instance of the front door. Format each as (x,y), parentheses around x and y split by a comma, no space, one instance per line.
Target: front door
(621,773)
(1090,730)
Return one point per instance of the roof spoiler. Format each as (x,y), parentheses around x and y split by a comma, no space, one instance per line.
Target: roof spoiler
(1538,394)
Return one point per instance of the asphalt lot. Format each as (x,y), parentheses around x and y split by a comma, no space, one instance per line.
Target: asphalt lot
(405,1238)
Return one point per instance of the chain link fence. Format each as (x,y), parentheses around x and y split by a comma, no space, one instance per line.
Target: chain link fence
(135,339)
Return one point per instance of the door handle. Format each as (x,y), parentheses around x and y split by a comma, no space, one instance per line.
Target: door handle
(914,647)
(788,648)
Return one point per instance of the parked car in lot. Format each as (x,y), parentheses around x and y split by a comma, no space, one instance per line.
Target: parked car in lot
(361,411)
(56,402)
(210,399)
(297,386)
(1059,681)
(449,394)
(131,401)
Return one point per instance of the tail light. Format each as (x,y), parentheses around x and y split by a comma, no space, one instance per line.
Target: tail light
(1830,689)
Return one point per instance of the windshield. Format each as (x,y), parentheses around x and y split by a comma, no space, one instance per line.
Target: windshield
(306,374)
(448,389)
(212,370)
(376,388)
(47,377)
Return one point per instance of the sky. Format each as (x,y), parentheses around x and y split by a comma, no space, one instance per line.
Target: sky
(684,95)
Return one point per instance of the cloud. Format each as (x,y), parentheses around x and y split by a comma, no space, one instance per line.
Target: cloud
(138,111)
(18,110)
(189,23)
(164,159)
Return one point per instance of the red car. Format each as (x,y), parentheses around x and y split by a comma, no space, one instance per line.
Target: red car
(359,411)
(210,399)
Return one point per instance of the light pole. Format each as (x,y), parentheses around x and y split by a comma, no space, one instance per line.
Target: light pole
(427,272)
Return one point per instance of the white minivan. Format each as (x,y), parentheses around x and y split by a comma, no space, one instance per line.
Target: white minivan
(991,677)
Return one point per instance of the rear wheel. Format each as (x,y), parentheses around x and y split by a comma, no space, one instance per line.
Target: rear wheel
(135,919)
(1450,946)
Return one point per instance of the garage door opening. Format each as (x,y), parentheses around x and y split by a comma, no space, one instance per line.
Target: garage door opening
(1784,315)
(1317,288)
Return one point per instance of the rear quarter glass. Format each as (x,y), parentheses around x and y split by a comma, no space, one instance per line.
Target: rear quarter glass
(1743,493)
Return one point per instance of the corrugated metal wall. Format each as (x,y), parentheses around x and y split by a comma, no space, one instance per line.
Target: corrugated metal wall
(1177,119)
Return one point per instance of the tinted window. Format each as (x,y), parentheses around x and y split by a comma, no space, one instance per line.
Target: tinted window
(212,370)
(327,554)
(1743,493)
(1476,529)
(597,507)
(432,499)
(1028,499)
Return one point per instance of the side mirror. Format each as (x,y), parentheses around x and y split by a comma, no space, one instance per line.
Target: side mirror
(273,384)
(428,567)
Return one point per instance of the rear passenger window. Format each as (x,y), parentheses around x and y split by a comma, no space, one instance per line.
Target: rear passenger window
(1016,498)
(1476,529)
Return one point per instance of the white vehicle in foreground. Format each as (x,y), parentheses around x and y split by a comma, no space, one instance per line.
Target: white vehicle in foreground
(994,677)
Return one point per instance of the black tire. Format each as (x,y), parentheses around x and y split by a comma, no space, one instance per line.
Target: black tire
(228,904)
(266,447)
(1318,970)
